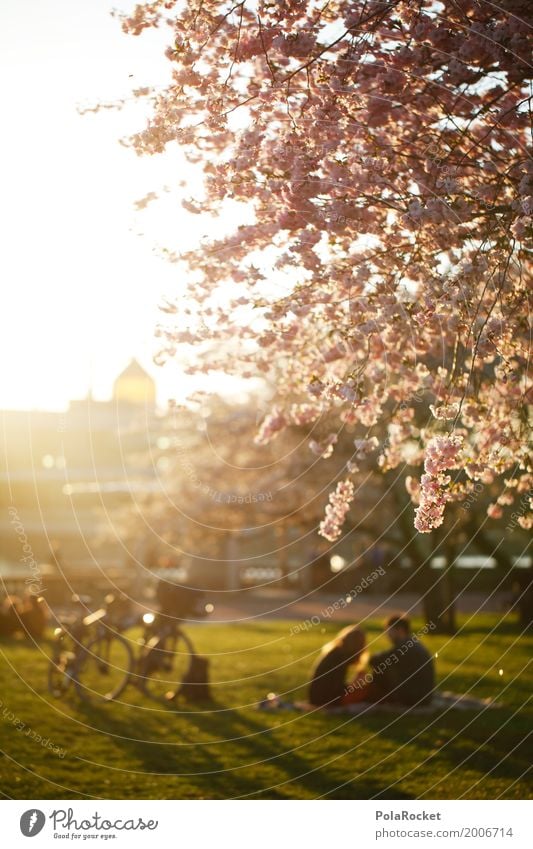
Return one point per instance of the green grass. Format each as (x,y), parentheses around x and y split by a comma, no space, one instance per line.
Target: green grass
(139,749)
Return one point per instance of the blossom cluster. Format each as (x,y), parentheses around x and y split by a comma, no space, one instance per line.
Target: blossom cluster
(339,504)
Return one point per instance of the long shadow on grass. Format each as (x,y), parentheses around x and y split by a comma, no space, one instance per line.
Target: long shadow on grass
(226,752)
(237,753)
(480,741)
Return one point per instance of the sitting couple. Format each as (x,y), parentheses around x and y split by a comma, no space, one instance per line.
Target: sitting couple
(404,675)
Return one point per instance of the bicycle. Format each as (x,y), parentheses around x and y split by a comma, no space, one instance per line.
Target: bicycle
(166,659)
(99,667)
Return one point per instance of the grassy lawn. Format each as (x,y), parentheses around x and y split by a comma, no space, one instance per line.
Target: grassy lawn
(140,749)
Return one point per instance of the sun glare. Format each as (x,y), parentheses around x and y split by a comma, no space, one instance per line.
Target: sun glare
(83,278)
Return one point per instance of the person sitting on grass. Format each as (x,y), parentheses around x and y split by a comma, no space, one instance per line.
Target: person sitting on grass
(33,617)
(405,674)
(10,610)
(26,617)
(328,687)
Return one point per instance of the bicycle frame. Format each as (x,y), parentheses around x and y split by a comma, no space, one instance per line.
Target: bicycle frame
(91,639)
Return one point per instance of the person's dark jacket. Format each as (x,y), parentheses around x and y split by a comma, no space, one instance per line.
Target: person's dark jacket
(328,683)
(405,675)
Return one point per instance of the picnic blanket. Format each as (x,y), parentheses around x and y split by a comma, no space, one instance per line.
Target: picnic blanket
(440,701)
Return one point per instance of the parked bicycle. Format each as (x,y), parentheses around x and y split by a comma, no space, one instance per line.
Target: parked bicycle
(168,665)
(90,653)
(166,658)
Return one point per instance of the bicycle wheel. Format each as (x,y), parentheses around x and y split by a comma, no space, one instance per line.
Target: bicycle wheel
(163,665)
(104,668)
(61,669)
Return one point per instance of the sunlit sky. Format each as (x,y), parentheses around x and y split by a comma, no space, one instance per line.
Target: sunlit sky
(80,286)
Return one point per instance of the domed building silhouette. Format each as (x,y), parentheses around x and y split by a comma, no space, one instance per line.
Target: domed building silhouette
(135,387)
(133,400)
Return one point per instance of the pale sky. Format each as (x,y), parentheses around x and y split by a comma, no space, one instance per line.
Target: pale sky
(79,287)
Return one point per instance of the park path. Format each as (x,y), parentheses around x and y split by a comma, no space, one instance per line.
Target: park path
(278,604)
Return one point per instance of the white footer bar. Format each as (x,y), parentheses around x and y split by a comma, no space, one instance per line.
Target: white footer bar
(267,824)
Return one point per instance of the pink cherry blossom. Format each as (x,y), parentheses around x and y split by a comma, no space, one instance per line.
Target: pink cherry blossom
(441,453)
(494,511)
(273,423)
(432,501)
(336,510)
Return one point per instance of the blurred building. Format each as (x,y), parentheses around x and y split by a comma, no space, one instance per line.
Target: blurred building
(63,473)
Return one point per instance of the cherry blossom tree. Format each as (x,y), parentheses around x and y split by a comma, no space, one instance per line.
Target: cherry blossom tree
(379,154)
